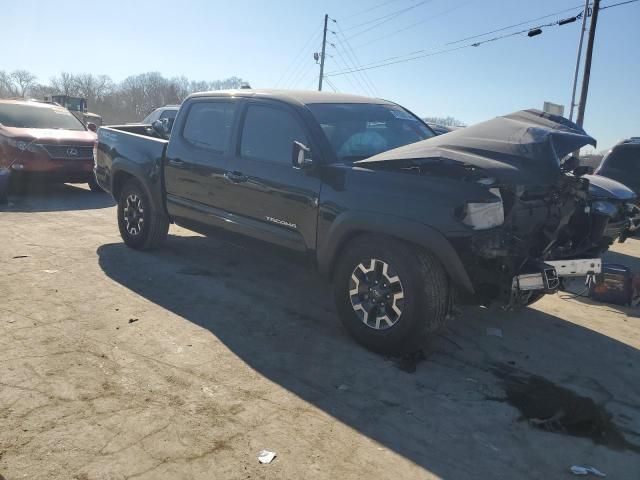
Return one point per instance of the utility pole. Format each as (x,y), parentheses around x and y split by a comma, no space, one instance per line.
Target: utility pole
(324,45)
(587,64)
(585,14)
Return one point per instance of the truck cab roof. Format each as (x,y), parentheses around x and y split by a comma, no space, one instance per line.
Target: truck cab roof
(296,97)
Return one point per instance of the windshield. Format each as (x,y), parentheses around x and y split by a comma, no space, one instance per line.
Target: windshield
(20,115)
(357,131)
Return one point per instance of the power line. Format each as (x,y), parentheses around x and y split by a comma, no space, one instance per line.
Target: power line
(297,58)
(354,58)
(301,75)
(419,53)
(515,25)
(333,87)
(361,86)
(618,4)
(415,56)
(367,10)
(333,74)
(385,18)
(413,25)
(299,64)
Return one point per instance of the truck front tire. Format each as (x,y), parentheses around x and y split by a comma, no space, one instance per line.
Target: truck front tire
(390,295)
(141,227)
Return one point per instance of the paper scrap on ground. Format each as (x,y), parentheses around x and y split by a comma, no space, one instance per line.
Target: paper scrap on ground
(265,456)
(578,470)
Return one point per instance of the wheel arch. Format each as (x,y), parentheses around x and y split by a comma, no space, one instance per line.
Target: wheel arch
(121,174)
(354,224)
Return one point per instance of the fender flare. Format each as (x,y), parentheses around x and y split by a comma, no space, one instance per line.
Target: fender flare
(352,223)
(148,178)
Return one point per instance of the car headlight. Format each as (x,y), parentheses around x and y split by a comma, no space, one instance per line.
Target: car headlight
(484,215)
(23,145)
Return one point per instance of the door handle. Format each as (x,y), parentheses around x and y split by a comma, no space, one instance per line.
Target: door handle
(176,162)
(235,177)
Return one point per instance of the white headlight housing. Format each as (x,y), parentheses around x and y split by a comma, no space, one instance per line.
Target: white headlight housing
(484,215)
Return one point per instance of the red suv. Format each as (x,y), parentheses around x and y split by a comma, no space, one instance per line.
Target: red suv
(45,141)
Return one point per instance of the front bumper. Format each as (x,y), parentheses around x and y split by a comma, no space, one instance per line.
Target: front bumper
(548,276)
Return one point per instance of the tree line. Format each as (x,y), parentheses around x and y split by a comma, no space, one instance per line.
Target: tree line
(117,102)
(446,121)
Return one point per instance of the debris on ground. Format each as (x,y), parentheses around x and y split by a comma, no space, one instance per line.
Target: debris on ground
(408,363)
(265,456)
(131,320)
(578,470)
(21,256)
(494,332)
(343,387)
(50,271)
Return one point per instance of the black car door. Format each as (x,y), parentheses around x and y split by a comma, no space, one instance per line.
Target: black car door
(197,157)
(272,199)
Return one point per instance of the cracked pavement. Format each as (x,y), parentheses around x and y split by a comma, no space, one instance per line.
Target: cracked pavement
(237,349)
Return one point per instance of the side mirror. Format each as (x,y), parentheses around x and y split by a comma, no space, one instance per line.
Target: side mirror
(301,156)
(161,127)
(92,126)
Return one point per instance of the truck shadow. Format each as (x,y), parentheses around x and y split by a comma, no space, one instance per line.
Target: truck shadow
(55,198)
(277,316)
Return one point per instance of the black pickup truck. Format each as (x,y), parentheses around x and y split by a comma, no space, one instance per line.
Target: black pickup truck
(403,222)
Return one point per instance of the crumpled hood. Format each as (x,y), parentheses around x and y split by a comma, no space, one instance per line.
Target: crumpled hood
(524,148)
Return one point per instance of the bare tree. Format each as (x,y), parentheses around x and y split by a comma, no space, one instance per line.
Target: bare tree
(126,101)
(446,121)
(65,84)
(7,87)
(24,80)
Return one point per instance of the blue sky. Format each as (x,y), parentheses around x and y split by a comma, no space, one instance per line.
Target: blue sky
(258,41)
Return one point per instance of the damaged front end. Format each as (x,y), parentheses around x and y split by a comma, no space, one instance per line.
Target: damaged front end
(538,222)
(548,232)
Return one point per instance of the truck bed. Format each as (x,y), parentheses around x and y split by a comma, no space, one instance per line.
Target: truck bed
(129,150)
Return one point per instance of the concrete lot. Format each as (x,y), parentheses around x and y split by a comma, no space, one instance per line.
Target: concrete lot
(186,362)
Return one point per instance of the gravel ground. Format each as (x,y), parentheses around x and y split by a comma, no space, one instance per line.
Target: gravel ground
(186,362)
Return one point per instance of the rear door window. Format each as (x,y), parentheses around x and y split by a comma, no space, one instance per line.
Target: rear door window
(209,125)
(268,134)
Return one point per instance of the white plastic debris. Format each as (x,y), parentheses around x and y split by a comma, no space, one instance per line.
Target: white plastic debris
(579,470)
(265,456)
(494,332)
(50,271)
(343,387)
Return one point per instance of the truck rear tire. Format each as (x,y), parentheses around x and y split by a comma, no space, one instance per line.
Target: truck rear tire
(141,227)
(390,295)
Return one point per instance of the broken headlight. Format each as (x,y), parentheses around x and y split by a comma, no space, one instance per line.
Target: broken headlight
(484,215)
